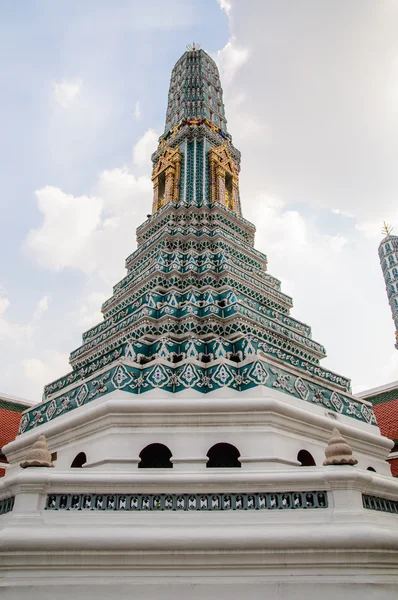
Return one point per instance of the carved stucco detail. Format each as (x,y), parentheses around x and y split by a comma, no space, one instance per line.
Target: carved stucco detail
(224,178)
(338,451)
(166,178)
(39,455)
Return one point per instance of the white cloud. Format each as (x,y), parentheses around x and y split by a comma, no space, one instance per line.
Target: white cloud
(68,223)
(137,111)
(144,148)
(66,92)
(12,333)
(37,372)
(118,188)
(225,5)
(89,313)
(230,59)
(41,307)
(290,237)
(337,211)
(93,233)
(25,375)
(4,304)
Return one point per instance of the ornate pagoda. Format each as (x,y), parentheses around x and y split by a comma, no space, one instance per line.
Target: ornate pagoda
(199,368)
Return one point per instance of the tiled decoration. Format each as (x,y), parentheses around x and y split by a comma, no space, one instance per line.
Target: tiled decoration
(197,308)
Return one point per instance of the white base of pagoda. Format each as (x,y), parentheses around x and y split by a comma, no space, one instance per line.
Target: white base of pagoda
(344,550)
(269,427)
(284,554)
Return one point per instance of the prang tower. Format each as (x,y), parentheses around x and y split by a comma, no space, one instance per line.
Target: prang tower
(197,309)
(189,437)
(388,254)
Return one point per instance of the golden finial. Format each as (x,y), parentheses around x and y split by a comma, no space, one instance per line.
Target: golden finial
(386,229)
(193,47)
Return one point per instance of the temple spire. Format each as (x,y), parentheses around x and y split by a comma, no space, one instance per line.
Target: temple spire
(196,162)
(195,90)
(197,309)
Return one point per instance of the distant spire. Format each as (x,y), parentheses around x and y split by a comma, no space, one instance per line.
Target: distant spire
(388,255)
(386,229)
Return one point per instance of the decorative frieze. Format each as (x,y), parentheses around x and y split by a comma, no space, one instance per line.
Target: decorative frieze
(227,308)
(210,219)
(380,504)
(201,372)
(188,502)
(6,505)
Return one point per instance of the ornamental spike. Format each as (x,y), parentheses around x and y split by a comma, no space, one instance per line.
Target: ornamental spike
(386,229)
(193,47)
(338,451)
(38,455)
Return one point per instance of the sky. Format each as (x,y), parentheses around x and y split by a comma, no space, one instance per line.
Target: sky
(311,99)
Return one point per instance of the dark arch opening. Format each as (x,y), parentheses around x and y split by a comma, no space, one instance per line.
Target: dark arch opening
(371,469)
(155,456)
(306,459)
(79,461)
(223,455)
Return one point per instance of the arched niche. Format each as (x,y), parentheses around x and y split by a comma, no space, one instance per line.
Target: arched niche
(79,461)
(155,456)
(306,459)
(223,455)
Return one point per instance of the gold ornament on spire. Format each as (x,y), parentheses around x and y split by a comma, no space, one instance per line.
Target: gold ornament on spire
(386,229)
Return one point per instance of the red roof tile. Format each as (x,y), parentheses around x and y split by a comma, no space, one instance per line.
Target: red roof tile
(9,424)
(394,467)
(387,418)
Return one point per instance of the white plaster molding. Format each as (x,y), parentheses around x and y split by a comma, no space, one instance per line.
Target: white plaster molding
(188,463)
(267,462)
(112,462)
(300,478)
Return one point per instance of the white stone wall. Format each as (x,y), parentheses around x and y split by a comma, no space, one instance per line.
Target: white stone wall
(303,553)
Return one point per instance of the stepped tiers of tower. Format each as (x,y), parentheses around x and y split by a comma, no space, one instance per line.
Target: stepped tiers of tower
(197,310)
(197,448)
(388,254)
